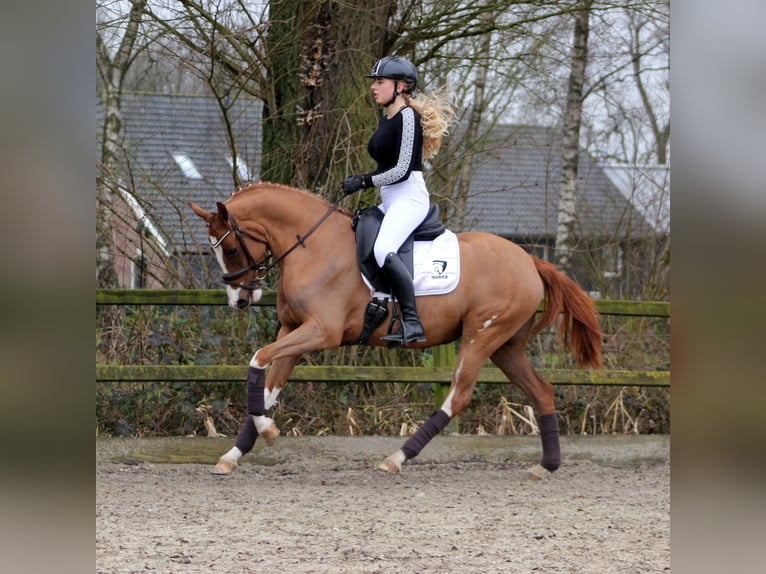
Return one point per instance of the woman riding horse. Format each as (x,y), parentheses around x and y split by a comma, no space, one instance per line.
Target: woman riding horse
(401,143)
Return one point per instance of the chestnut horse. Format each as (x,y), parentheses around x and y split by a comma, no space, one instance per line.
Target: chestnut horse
(322,297)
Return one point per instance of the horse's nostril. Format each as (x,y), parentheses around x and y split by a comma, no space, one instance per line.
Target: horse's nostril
(241,303)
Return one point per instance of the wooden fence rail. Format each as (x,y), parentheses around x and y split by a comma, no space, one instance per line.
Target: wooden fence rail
(440,375)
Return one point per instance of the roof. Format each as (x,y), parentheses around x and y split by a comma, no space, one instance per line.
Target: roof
(515,189)
(166,135)
(513,193)
(648,188)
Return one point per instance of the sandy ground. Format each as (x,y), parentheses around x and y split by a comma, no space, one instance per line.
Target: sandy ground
(318,505)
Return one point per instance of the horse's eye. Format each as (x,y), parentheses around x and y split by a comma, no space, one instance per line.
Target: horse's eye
(230,252)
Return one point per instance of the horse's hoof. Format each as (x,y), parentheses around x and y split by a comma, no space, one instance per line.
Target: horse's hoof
(390,466)
(537,472)
(271,434)
(224,466)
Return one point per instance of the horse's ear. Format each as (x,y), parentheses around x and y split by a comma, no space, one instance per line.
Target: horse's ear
(206,215)
(223,213)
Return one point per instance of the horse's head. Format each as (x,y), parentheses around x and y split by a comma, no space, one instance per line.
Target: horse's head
(241,255)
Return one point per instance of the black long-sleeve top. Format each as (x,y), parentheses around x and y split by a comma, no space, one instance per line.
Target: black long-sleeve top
(397,147)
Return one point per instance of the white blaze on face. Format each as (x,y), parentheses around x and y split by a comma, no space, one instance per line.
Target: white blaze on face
(232,293)
(218,250)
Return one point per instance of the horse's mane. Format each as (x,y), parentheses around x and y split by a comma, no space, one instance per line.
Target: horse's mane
(253,186)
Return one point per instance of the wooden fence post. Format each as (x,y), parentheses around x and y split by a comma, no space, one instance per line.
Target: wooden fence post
(444,356)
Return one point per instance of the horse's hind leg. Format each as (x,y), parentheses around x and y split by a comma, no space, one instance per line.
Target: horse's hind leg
(459,397)
(512,360)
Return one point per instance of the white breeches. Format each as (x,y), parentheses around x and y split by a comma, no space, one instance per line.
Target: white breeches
(405,206)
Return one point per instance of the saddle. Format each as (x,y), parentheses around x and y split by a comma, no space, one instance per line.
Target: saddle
(366,225)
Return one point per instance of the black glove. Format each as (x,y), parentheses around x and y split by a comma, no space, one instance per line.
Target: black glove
(352,184)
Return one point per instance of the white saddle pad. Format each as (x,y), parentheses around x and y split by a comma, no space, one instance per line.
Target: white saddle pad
(436,266)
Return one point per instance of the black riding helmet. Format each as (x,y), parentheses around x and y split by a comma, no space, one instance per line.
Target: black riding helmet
(396,68)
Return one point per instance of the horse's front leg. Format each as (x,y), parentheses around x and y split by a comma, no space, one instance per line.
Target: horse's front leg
(248,433)
(262,391)
(284,353)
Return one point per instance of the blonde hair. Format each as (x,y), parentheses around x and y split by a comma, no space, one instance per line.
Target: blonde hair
(436,116)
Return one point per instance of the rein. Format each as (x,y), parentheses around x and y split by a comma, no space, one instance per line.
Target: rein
(263,266)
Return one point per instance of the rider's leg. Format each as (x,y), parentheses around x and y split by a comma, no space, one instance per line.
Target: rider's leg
(411,329)
(405,206)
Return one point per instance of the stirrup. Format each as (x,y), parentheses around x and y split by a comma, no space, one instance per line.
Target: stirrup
(398,337)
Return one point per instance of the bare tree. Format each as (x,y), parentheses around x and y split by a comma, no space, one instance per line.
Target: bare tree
(112,70)
(571,137)
(640,45)
(627,129)
(307,60)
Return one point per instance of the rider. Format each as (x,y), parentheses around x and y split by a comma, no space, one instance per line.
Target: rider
(409,133)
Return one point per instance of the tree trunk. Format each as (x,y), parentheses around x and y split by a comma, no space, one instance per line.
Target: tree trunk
(475,118)
(571,139)
(661,133)
(106,277)
(112,71)
(318,55)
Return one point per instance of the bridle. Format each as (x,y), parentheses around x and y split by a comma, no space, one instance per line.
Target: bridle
(263,266)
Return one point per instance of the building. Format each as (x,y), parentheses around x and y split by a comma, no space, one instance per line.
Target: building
(177,150)
(514,192)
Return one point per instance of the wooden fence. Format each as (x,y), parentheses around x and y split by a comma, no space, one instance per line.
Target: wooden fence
(440,374)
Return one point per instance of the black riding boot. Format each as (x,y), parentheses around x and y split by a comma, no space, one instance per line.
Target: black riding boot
(411,329)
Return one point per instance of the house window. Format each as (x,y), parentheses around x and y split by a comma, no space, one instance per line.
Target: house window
(137,270)
(242,171)
(611,257)
(187,165)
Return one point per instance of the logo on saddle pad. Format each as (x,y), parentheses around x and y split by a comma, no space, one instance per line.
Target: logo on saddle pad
(439,267)
(436,266)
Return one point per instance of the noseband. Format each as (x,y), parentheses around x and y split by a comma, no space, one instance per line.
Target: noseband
(263,266)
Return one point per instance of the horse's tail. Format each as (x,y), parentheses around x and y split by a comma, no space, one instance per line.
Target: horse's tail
(579,328)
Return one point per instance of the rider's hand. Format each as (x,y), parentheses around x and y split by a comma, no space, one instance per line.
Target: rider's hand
(352,184)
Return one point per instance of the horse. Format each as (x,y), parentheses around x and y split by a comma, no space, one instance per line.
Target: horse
(322,298)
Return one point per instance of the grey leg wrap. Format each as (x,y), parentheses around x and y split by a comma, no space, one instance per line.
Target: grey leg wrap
(425,433)
(247,435)
(256,382)
(549,433)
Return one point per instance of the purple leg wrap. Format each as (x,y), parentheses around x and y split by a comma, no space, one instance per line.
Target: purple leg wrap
(247,435)
(549,433)
(425,433)
(256,382)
